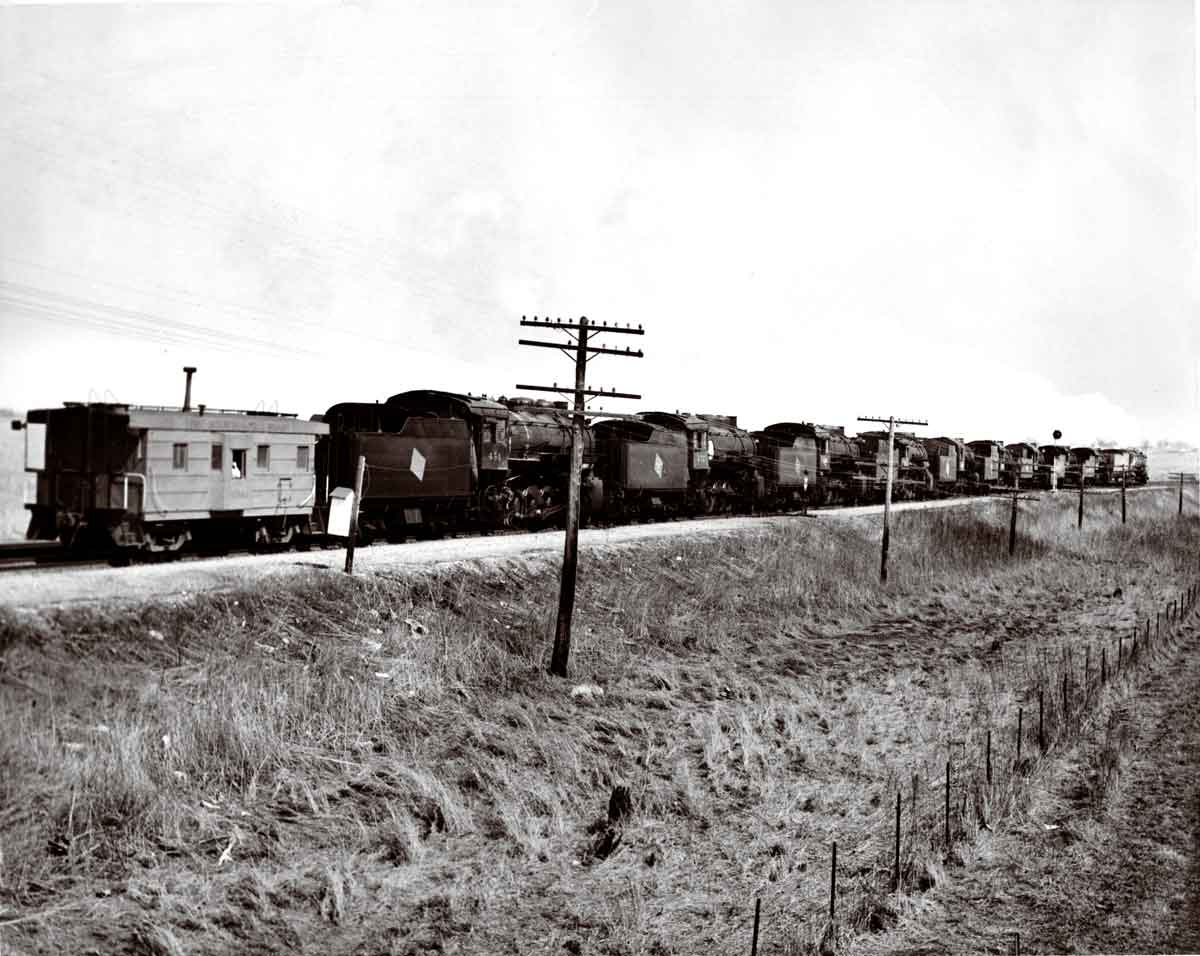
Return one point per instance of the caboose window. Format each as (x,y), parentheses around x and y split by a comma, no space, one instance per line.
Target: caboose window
(218,456)
(264,456)
(302,458)
(179,455)
(238,469)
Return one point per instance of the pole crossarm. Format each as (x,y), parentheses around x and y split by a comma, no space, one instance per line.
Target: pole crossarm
(889,421)
(599,393)
(579,326)
(596,349)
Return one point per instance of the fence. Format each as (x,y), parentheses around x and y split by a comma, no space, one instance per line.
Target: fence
(982,781)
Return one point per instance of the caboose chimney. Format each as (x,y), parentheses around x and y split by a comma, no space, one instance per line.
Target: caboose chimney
(189,371)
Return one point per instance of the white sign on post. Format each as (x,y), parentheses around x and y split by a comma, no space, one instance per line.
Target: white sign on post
(341,510)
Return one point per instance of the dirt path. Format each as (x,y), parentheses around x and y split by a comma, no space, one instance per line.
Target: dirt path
(1095,867)
(33,589)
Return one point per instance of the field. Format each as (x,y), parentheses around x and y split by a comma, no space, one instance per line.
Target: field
(382,765)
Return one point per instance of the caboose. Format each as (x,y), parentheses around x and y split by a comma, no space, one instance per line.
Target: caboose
(122,479)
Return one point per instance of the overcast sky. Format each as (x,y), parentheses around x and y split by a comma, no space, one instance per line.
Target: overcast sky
(978,213)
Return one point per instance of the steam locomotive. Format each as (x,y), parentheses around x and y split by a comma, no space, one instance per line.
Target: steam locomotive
(127,479)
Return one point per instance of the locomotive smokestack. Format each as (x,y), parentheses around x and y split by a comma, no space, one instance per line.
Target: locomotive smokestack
(189,371)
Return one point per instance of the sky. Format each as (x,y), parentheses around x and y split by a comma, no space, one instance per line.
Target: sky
(980,214)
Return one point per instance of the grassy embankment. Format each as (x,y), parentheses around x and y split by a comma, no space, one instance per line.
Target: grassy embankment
(382,765)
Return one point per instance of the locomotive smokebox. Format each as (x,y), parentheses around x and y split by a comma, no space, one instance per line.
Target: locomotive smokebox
(189,371)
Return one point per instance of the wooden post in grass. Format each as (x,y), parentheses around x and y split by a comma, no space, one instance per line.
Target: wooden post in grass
(896,874)
(1124,476)
(1103,666)
(1080,524)
(833,884)
(358,486)
(947,807)
(989,756)
(891,421)
(1012,527)
(1041,720)
(1087,674)
(1020,731)
(754,939)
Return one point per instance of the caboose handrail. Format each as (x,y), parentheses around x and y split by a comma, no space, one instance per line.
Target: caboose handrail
(125,484)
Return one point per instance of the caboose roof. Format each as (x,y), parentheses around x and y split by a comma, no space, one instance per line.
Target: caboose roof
(208,420)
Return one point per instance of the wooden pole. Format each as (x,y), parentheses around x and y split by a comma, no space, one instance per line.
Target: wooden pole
(896,876)
(887,499)
(1080,522)
(566,595)
(1012,527)
(358,485)
(1181,493)
(833,884)
(1124,476)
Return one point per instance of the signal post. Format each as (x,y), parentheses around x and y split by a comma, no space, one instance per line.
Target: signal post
(579,334)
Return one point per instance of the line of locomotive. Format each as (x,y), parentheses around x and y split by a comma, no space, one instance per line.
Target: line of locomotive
(124,478)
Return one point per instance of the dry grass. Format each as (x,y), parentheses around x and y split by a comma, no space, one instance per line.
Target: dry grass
(383,765)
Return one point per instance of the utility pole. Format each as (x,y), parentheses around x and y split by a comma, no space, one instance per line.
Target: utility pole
(891,422)
(579,334)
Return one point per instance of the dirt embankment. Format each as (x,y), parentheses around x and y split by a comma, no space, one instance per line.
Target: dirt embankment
(177,579)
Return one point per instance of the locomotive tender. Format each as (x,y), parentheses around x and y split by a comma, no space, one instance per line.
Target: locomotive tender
(126,479)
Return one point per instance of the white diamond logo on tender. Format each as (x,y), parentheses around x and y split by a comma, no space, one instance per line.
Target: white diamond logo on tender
(417,466)
(659,467)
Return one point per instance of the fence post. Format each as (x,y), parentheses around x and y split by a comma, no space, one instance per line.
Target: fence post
(896,878)
(1041,724)
(1103,666)
(1087,674)
(754,938)
(947,808)
(833,884)
(989,756)
(1020,721)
